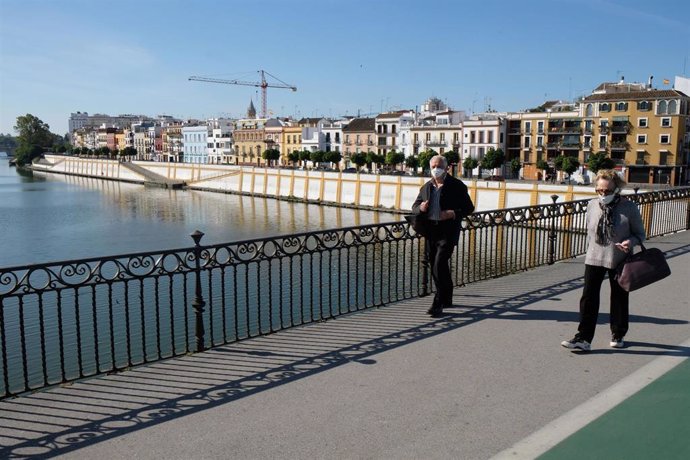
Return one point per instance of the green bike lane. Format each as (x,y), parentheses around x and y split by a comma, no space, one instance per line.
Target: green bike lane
(652,423)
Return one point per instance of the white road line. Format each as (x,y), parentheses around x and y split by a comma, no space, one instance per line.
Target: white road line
(556,431)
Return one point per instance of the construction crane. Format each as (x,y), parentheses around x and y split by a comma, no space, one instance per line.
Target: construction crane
(263,84)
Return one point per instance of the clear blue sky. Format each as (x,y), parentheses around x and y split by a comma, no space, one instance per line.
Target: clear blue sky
(134,56)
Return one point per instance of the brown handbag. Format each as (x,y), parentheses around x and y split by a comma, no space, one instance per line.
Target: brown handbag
(639,270)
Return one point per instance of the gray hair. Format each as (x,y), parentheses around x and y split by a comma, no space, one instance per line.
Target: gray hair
(443,159)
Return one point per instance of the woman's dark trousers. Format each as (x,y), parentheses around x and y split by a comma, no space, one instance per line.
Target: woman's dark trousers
(589,303)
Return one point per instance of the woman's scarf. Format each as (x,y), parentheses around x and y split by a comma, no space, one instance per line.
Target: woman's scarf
(605,226)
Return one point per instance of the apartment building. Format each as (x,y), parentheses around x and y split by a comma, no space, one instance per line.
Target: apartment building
(388,131)
(194,144)
(644,130)
(249,138)
(359,136)
(481,133)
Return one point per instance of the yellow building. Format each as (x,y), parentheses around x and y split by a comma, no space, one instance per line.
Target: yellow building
(250,140)
(643,129)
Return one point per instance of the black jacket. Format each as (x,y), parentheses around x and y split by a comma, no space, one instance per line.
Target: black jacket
(454,196)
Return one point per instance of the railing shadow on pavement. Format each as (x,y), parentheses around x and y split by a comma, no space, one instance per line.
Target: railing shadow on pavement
(65,419)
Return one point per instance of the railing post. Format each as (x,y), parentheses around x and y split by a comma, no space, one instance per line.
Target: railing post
(198,303)
(425,269)
(552,232)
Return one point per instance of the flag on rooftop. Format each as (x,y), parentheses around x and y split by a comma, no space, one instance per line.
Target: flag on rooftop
(666,81)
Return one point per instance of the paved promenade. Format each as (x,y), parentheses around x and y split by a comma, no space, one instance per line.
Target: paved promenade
(487,380)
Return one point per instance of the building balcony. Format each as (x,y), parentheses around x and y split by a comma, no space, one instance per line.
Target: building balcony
(620,129)
(619,145)
(603,129)
(436,143)
(574,146)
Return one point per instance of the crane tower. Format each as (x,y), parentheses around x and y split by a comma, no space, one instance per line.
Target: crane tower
(263,84)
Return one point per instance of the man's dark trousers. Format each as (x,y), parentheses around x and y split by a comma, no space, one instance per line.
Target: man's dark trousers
(439,249)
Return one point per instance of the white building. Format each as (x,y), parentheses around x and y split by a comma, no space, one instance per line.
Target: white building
(333,132)
(194,144)
(481,133)
(388,131)
(313,137)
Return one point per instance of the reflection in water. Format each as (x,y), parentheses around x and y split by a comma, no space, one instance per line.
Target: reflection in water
(49,217)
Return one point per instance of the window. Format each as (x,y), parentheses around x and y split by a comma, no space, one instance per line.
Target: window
(621,106)
(528,126)
(540,141)
(490,135)
(587,141)
(589,110)
(481,137)
(666,122)
(527,142)
(427,137)
(644,106)
(672,107)
(540,127)
(602,142)
(665,139)
(661,108)
(472,137)
(443,137)
(642,123)
(641,138)
(605,107)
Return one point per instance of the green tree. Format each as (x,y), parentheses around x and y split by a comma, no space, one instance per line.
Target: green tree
(128,152)
(271,155)
(412,162)
(8,144)
(599,160)
(394,158)
(359,159)
(304,156)
(468,165)
(515,166)
(317,156)
(374,158)
(33,136)
(566,164)
(452,157)
(293,157)
(425,158)
(333,157)
(494,158)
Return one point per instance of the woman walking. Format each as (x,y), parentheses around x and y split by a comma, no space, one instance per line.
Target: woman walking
(614,227)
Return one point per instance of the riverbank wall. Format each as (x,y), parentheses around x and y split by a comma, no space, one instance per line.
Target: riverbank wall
(366,191)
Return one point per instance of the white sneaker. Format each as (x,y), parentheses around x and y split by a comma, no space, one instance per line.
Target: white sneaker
(577,343)
(616,342)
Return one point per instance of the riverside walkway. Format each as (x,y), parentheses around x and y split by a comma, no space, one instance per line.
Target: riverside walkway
(487,380)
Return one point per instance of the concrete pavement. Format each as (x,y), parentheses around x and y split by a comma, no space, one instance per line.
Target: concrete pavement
(386,383)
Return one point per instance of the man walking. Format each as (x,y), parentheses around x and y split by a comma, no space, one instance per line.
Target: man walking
(443,202)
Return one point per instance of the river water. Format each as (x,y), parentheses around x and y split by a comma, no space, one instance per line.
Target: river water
(51,217)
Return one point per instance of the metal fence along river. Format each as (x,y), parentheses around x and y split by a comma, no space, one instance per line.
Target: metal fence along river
(67,320)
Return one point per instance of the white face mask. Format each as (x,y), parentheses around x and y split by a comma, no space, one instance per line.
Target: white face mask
(607,199)
(437,173)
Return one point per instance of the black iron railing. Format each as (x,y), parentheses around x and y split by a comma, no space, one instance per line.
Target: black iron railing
(67,320)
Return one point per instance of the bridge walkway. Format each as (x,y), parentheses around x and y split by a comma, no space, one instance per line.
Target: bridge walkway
(488,379)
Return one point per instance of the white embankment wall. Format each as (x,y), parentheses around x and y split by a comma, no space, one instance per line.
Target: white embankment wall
(356,190)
